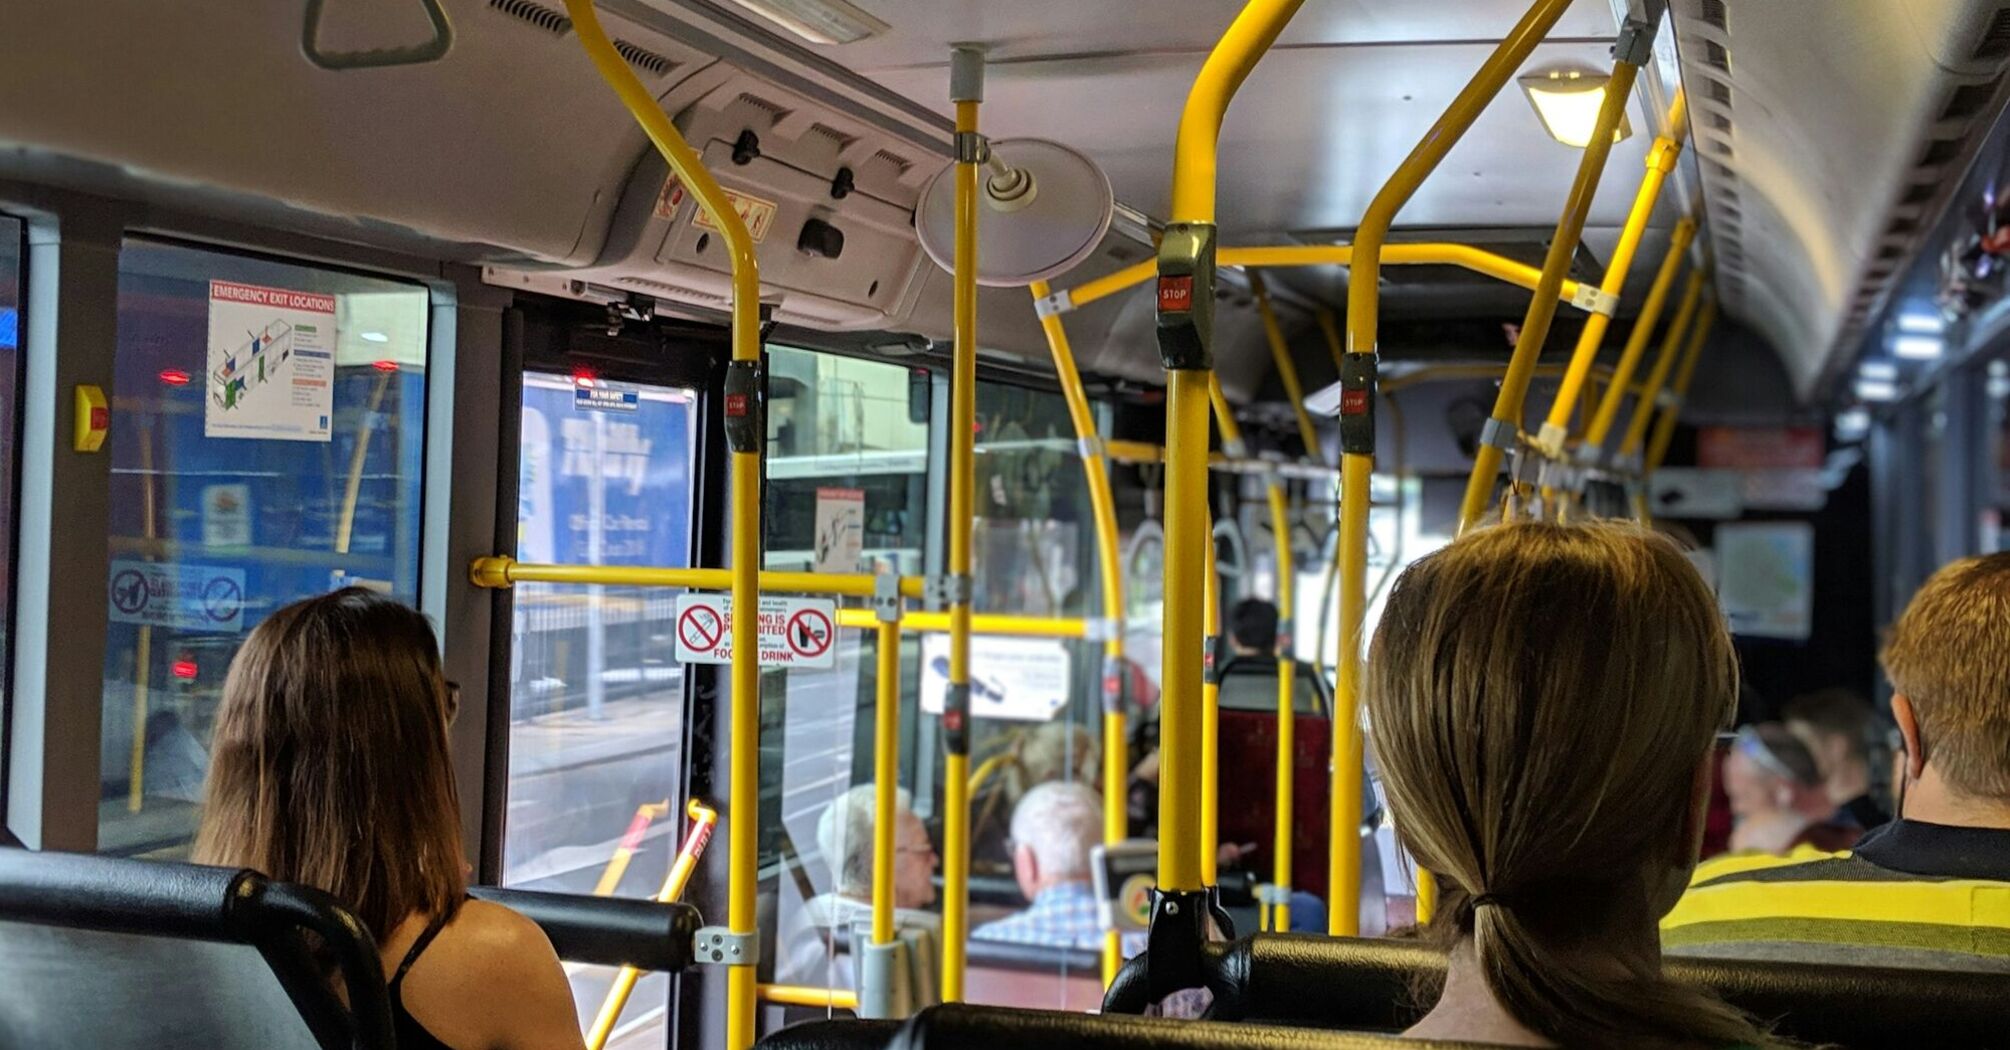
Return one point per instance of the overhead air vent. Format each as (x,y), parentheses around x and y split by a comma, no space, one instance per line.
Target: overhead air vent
(1718,91)
(1968,100)
(1719,122)
(1940,152)
(1901,227)
(838,139)
(545,18)
(1918,193)
(1713,12)
(644,59)
(1718,170)
(774,110)
(1995,42)
(1721,148)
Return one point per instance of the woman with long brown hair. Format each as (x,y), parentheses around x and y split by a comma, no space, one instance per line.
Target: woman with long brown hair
(1543,701)
(329,767)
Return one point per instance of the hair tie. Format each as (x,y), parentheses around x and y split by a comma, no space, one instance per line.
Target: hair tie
(1486,899)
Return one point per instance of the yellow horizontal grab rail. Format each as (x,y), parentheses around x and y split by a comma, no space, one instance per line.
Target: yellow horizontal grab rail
(500,572)
(797,995)
(1478,260)
(996,624)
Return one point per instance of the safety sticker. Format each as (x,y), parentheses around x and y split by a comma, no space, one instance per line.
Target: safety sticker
(758,214)
(795,632)
(183,597)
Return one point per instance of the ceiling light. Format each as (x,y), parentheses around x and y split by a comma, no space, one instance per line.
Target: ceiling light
(1884,370)
(826,22)
(1853,424)
(1876,390)
(1916,347)
(1927,324)
(373,337)
(1568,101)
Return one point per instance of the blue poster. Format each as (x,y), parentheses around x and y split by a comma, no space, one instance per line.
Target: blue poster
(604,487)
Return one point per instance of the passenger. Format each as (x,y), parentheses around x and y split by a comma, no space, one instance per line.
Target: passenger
(1835,724)
(1252,628)
(1931,888)
(1545,699)
(844,837)
(1776,794)
(330,768)
(1054,830)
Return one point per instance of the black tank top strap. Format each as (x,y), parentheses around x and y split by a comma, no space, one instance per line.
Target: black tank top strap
(419,947)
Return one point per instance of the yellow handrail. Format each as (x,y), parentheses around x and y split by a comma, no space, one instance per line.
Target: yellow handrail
(1103,512)
(1636,431)
(1693,294)
(703,819)
(1424,253)
(1661,158)
(885,772)
(1363,321)
(1278,912)
(745,435)
(1664,427)
(793,995)
(500,572)
(1009,625)
(1507,413)
(1600,426)
(966,91)
(1287,372)
(1210,721)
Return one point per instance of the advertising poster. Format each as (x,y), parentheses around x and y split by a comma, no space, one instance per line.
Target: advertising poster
(840,524)
(1766,578)
(1015,679)
(271,368)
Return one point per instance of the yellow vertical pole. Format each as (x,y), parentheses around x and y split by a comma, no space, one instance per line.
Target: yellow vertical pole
(1650,394)
(1602,419)
(1103,510)
(1186,339)
(1661,158)
(1287,372)
(1357,376)
(966,90)
(1278,910)
(885,770)
(143,653)
(1664,427)
(745,435)
(1330,329)
(1343,865)
(1693,295)
(1505,423)
(1210,721)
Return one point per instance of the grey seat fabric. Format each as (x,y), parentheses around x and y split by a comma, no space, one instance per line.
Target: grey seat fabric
(86,988)
(118,954)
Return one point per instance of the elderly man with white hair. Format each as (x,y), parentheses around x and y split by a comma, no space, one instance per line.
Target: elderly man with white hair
(1054,828)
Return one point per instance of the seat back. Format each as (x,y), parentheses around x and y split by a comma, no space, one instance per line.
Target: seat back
(958,1026)
(1341,982)
(116,954)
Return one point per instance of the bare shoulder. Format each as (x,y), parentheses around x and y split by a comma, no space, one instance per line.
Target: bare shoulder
(492,980)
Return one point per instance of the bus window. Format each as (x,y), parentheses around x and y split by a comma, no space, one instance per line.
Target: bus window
(10,427)
(596,693)
(270,448)
(847,492)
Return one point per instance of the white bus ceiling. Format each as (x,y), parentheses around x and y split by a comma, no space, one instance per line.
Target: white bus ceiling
(1827,134)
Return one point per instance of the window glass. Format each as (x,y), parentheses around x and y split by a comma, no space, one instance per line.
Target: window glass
(10,426)
(268,437)
(847,492)
(596,693)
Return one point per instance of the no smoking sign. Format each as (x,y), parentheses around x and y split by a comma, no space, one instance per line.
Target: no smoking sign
(795,632)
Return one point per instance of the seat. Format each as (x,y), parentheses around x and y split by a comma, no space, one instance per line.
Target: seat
(962,1027)
(121,954)
(606,931)
(1340,982)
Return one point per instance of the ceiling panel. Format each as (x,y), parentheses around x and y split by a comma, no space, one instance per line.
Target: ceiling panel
(1312,136)
(923,30)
